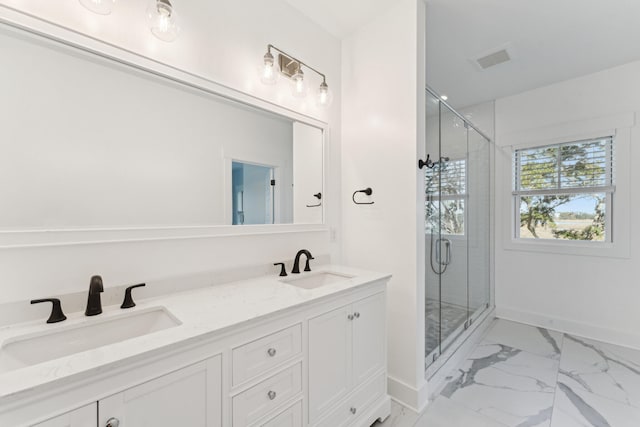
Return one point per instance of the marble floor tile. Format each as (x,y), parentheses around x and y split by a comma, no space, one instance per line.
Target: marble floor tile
(511,386)
(400,417)
(540,341)
(603,369)
(444,413)
(575,407)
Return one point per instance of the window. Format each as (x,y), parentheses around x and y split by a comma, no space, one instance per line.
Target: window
(446,196)
(565,191)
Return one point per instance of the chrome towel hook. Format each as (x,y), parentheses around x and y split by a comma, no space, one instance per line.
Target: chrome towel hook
(368,191)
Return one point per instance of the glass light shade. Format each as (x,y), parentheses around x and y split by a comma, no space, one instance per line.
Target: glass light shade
(162,19)
(299,86)
(325,96)
(101,7)
(268,72)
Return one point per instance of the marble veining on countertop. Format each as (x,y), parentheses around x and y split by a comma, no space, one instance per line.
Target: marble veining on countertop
(201,312)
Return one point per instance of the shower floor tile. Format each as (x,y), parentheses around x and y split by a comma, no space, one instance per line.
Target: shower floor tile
(453,317)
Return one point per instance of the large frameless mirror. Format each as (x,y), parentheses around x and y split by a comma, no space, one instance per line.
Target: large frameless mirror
(92,143)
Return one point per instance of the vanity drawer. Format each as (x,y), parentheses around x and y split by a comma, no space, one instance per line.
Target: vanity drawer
(290,417)
(355,404)
(257,357)
(254,403)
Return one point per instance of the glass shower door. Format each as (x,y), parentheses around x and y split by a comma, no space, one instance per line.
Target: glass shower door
(449,252)
(457,207)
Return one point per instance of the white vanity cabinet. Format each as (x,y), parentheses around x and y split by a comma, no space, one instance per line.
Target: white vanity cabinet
(191,396)
(81,417)
(321,363)
(346,349)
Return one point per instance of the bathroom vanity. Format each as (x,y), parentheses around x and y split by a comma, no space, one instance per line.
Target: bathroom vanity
(305,350)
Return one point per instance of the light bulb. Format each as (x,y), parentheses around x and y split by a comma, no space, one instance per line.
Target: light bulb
(299,84)
(325,97)
(163,21)
(268,73)
(101,7)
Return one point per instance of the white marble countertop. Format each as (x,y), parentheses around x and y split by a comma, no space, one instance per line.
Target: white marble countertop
(202,312)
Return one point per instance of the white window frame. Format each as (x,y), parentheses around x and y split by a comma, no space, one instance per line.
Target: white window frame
(608,189)
(620,127)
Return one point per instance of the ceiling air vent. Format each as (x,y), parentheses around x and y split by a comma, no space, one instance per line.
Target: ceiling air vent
(493,59)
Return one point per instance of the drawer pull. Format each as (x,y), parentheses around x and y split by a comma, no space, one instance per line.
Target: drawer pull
(350,317)
(112,422)
(353,410)
(356,315)
(271,352)
(271,394)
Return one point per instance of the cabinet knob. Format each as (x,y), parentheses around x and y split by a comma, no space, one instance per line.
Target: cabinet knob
(271,352)
(112,422)
(353,410)
(350,317)
(271,394)
(356,315)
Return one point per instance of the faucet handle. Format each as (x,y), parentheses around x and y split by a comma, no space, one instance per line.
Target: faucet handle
(283,270)
(128,299)
(56,310)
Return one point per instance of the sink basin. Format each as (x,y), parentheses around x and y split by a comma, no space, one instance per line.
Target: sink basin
(31,349)
(316,280)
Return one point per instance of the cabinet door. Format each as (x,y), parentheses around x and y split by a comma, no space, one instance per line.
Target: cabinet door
(369,333)
(87,416)
(329,360)
(189,397)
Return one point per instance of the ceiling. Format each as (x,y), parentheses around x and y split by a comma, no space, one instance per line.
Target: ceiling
(550,40)
(341,17)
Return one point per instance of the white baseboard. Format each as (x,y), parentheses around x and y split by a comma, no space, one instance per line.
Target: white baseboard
(581,329)
(411,397)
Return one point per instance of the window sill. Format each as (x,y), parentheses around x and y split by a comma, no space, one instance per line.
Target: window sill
(594,249)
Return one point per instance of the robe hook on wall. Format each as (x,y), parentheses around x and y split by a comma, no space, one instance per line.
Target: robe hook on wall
(319,197)
(368,191)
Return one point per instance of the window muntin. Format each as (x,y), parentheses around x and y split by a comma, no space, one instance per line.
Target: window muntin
(446,195)
(565,191)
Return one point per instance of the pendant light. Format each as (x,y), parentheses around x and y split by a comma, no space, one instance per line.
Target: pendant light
(162,19)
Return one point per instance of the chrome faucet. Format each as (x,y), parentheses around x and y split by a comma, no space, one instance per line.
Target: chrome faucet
(94,305)
(296,263)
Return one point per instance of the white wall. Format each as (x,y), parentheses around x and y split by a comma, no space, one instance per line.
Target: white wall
(222,41)
(383,136)
(589,295)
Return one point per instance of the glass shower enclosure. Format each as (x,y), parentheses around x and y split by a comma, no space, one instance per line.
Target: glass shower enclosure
(457,227)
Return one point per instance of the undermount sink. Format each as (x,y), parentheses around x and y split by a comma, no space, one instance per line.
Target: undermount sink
(317,280)
(39,347)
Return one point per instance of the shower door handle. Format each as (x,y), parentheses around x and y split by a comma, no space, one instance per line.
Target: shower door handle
(447,247)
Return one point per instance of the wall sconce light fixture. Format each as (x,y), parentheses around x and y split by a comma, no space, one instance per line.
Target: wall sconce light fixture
(291,67)
(162,19)
(101,7)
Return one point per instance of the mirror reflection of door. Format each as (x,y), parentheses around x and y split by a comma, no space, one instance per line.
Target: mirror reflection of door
(253,191)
